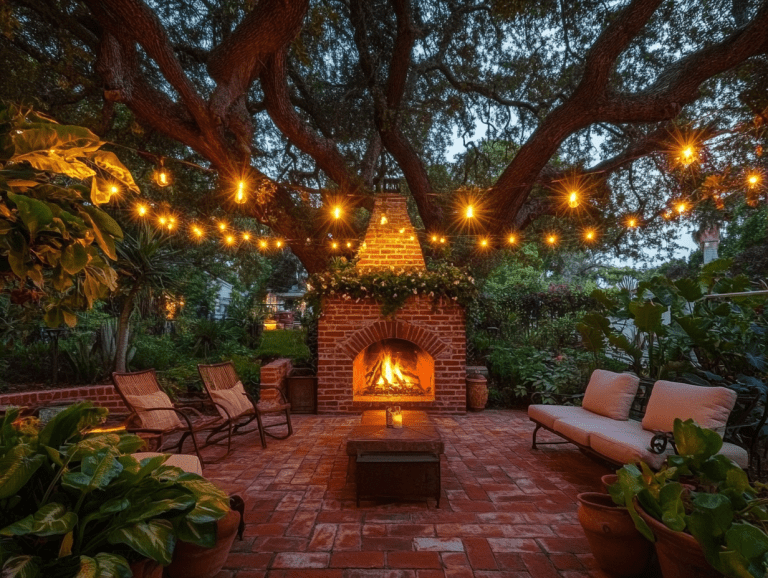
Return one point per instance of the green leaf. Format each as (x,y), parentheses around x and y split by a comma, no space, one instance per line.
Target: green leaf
(673,511)
(35,214)
(16,468)
(53,163)
(201,534)
(51,520)
(74,258)
(110,163)
(104,229)
(104,565)
(68,423)
(21,567)
(96,472)
(699,523)
(647,315)
(114,505)
(44,136)
(92,444)
(153,539)
(697,442)
(719,510)
(157,508)
(751,545)
(689,289)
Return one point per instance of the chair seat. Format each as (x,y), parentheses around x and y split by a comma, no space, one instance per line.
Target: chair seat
(547,415)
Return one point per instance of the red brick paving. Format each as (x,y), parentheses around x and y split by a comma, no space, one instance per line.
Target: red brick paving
(506,511)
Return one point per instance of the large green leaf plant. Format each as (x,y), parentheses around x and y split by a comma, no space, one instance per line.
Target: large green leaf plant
(715,502)
(55,242)
(75,504)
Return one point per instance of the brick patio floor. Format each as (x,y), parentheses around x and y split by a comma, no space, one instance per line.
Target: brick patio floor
(506,511)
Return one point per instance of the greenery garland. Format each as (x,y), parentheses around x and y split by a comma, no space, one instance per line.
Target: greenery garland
(392,287)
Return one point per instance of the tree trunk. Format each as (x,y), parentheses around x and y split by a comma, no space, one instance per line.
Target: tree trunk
(123,326)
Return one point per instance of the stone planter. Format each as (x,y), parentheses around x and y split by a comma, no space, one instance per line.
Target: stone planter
(680,555)
(477,392)
(619,549)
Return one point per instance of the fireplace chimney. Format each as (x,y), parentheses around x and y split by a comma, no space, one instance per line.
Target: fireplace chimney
(391,239)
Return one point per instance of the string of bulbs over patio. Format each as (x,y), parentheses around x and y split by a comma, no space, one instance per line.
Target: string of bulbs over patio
(573,193)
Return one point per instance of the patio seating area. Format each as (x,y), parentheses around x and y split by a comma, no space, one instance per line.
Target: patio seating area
(505,511)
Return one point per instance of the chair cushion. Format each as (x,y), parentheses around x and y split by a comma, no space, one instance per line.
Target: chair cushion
(579,429)
(736,453)
(708,406)
(610,394)
(547,415)
(628,444)
(186,462)
(233,399)
(154,419)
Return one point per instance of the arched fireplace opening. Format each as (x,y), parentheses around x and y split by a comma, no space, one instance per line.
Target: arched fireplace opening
(393,370)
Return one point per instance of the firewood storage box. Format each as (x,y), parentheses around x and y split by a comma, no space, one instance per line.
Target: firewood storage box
(302,390)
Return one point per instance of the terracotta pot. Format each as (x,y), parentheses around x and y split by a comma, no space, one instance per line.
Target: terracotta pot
(609,480)
(619,549)
(477,392)
(680,555)
(192,561)
(147,569)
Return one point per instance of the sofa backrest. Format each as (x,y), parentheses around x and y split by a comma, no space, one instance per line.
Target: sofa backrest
(707,406)
(610,394)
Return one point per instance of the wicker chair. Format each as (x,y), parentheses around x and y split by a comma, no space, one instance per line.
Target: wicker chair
(153,412)
(232,402)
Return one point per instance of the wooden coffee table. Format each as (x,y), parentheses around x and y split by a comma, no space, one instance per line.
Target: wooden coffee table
(396,463)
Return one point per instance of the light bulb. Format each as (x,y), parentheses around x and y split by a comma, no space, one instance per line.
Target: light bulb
(142,210)
(240,195)
(470,212)
(573,200)
(512,239)
(337,213)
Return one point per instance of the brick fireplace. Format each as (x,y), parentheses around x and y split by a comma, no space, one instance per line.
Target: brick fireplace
(415,359)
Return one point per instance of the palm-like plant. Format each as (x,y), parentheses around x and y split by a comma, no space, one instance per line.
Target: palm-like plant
(145,260)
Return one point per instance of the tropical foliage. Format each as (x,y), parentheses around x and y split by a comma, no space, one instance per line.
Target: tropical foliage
(55,243)
(726,513)
(77,504)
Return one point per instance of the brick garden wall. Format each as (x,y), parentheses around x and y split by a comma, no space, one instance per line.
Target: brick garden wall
(345,328)
(100,395)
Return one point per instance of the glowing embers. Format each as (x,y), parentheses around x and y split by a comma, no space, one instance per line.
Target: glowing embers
(393,370)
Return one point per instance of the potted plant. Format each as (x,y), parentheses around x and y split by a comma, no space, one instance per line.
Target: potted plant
(77,504)
(700,508)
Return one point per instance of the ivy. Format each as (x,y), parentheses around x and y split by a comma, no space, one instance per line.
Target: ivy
(392,287)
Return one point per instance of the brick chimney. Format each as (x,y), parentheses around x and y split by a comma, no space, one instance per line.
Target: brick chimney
(390,240)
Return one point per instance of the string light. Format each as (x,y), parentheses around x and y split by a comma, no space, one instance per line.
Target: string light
(551,239)
(631,222)
(512,239)
(434,238)
(162,220)
(442,240)
(197,231)
(171,223)
(484,242)
(573,200)
(349,244)
(230,239)
(246,237)
(161,176)
(470,213)
(141,210)
(240,195)
(681,207)
(337,212)
(114,190)
(279,244)
(589,235)
(334,245)
(687,155)
(222,226)
(753,179)
(263,244)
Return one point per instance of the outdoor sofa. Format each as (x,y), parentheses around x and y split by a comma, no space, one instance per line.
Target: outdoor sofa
(602,426)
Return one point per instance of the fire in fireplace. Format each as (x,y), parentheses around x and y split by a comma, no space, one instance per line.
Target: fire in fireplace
(393,370)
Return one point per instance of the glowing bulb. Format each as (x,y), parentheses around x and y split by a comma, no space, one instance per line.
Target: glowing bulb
(434,238)
(551,239)
(335,245)
(263,244)
(279,244)
(383,219)
(142,210)
(114,190)
(470,212)
(512,239)
(681,207)
(222,226)
(483,242)
(240,195)
(230,239)
(162,220)
(667,214)
(589,235)
(632,223)
(753,179)
(687,155)
(573,200)
(197,231)
(442,239)
(246,237)
(337,213)
(163,178)
(349,244)
(171,225)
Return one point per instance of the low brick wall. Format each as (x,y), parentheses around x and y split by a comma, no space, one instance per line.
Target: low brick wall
(101,395)
(273,374)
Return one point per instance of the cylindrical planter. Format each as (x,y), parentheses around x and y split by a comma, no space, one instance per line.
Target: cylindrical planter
(619,549)
(146,569)
(680,555)
(477,392)
(192,561)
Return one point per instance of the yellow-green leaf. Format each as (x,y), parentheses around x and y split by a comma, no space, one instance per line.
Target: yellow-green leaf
(110,163)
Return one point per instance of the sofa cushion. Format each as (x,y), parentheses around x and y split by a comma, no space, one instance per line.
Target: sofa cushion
(627,445)
(708,406)
(547,415)
(627,442)
(610,394)
(579,429)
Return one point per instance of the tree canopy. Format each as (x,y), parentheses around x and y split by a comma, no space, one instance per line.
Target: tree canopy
(314,103)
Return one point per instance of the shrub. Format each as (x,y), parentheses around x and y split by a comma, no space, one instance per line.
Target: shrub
(283,343)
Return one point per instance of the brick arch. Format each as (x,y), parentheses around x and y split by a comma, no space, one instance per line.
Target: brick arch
(396,329)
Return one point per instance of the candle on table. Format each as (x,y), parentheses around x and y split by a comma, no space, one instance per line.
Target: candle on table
(397,420)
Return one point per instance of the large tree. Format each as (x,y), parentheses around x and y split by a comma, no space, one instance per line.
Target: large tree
(319,100)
